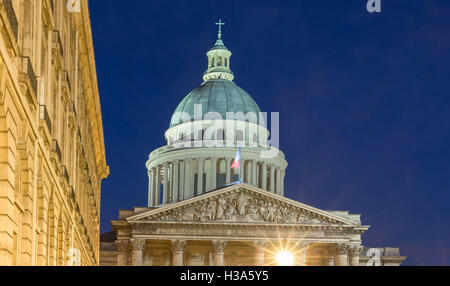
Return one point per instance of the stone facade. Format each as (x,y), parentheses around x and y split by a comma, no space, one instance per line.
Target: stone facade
(201,211)
(239,225)
(52,155)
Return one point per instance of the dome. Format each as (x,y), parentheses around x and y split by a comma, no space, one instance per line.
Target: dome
(216,95)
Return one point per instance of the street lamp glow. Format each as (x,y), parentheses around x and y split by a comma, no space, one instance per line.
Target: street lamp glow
(285,258)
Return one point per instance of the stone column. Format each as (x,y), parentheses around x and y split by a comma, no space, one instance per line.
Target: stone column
(176,174)
(330,261)
(177,248)
(260,248)
(157,186)
(264,176)
(122,248)
(228,168)
(254,181)
(188,189)
(200,176)
(137,251)
(341,254)
(166,191)
(355,252)
(213,173)
(283,174)
(182,186)
(302,254)
(151,187)
(272,179)
(278,180)
(219,249)
(242,170)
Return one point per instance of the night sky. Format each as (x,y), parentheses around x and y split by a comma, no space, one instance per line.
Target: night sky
(363,98)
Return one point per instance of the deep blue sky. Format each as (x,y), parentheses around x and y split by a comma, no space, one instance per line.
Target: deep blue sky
(363,98)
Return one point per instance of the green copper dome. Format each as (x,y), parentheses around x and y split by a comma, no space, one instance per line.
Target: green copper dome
(216,95)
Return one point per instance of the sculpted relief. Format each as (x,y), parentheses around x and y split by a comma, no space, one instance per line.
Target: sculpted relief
(240,207)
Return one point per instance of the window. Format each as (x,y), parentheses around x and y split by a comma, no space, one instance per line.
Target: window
(239,136)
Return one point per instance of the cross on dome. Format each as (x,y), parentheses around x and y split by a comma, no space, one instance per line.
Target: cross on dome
(220,24)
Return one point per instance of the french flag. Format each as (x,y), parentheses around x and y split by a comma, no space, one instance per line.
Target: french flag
(237,160)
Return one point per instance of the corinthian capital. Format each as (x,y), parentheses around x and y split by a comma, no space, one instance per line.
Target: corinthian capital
(341,248)
(122,245)
(137,244)
(178,246)
(355,250)
(219,245)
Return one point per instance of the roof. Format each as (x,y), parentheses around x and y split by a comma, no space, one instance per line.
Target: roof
(217,95)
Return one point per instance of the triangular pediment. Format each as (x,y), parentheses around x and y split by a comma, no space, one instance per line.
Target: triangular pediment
(241,204)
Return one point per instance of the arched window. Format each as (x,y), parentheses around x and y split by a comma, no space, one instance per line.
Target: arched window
(213,62)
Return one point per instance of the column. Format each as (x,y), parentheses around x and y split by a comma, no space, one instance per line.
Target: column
(182,180)
(242,170)
(330,261)
(228,167)
(260,248)
(341,254)
(278,181)
(122,247)
(166,183)
(264,176)
(200,176)
(207,167)
(176,170)
(283,174)
(355,252)
(272,179)
(214,173)
(137,251)
(302,254)
(177,248)
(188,189)
(151,187)
(219,249)
(254,181)
(157,186)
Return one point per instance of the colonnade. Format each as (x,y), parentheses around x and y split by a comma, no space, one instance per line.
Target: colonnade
(340,254)
(180,179)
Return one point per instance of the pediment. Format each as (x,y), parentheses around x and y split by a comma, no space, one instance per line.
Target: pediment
(241,204)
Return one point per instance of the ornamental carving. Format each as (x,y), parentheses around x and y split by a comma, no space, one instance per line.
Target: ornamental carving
(122,245)
(178,246)
(137,245)
(341,249)
(219,246)
(241,207)
(355,250)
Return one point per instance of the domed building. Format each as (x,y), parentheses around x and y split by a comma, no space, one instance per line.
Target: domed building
(201,211)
